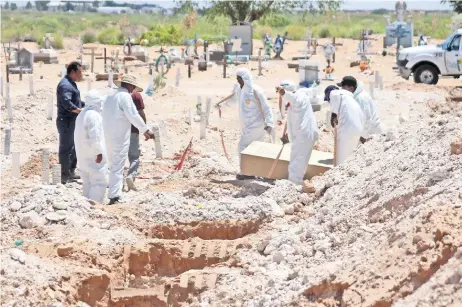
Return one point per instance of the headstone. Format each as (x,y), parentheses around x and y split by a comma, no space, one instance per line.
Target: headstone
(31,84)
(15,164)
(381,83)
(7,145)
(50,108)
(156,132)
(377,78)
(89,81)
(45,166)
(56,174)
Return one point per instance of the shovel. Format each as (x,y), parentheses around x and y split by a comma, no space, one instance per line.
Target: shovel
(284,142)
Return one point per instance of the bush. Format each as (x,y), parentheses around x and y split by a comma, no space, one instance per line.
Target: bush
(163,35)
(57,43)
(111,36)
(260,31)
(275,21)
(324,33)
(88,38)
(296,32)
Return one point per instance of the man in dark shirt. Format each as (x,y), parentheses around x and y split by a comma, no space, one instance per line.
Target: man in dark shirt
(69,106)
(134,149)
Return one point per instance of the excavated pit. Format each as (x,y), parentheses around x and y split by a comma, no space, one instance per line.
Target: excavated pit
(207,230)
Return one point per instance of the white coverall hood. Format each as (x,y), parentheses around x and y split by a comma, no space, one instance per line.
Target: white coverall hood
(288,86)
(254,110)
(94,101)
(365,101)
(303,133)
(246,76)
(90,142)
(351,123)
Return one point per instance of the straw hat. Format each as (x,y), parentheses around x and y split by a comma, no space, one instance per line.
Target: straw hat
(130,80)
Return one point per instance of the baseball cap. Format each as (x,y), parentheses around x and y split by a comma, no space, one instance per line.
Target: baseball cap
(349,81)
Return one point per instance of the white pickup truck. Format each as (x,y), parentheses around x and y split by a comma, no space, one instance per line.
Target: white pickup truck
(427,63)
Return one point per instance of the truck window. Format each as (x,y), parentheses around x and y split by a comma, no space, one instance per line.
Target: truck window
(455,44)
(446,43)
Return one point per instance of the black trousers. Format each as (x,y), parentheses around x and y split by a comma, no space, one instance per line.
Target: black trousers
(67,156)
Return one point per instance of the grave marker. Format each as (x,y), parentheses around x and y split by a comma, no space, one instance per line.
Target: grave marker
(155,130)
(8,103)
(45,166)
(7,144)
(259,61)
(177,82)
(56,174)
(203,125)
(15,164)
(31,85)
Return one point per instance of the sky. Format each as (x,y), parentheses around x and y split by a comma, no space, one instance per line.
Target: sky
(347,4)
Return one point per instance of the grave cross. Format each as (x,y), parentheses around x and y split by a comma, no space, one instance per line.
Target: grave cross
(399,33)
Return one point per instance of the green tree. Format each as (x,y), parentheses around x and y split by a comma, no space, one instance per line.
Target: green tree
(254,10)
(42,5)
(456,5)
(13,6)
(95,4)
(69,7)
(6,6)
(28,5)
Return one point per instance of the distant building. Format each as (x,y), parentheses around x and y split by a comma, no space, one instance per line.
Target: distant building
(114,10)
(150,10)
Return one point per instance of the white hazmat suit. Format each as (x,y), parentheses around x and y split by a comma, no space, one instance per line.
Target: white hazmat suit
(365,101)
(351,123)
(302,130)
(119,113)
(89,143)
(254,111)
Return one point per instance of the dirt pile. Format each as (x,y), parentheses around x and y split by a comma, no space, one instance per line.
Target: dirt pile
(381,226)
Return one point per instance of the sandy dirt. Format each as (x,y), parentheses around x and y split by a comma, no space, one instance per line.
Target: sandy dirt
(383,229)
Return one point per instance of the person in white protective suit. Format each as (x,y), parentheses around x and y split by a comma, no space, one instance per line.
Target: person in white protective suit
(372,125)
(255,113)
(119,113)
(90,148)
(301,127)
(349,120)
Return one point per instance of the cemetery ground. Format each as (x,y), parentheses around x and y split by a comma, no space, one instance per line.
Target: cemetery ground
(383,229)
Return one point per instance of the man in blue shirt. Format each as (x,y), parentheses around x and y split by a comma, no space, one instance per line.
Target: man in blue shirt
(69,106)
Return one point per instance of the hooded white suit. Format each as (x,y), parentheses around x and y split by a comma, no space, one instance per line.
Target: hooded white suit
(89,142)
(372,125)
(119,113)
(302,130)
(255,114)
(351,123)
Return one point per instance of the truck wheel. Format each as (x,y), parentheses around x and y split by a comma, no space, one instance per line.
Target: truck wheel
(426,74)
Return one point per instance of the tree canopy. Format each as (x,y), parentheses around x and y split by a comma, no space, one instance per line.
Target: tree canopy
(248,11)
(28,5)
(456,5)
(41,5)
